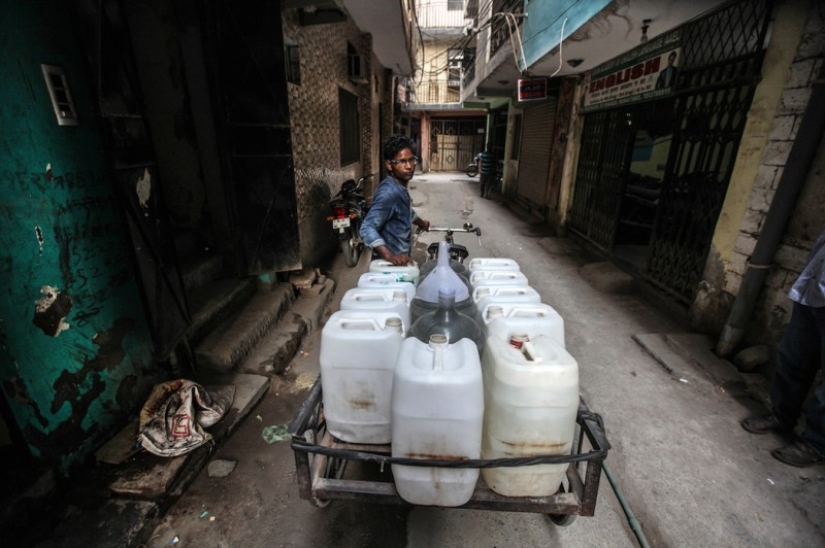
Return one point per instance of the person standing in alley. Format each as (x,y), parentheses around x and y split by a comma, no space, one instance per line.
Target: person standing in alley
(387,228)
(487,167)
(801,356)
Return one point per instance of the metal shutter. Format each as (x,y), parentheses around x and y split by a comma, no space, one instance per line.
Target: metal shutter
(534,161)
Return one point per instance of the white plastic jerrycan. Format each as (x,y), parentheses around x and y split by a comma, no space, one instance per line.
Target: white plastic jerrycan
(531,397)
(493,263)
(487,278)
(437,413)
(378,299)
(359,351)
(376,280)
(495,294)
(504,319)
(409,273)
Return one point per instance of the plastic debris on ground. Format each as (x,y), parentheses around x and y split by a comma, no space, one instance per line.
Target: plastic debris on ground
(274,433)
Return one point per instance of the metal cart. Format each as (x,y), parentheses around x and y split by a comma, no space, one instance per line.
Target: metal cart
(321,460)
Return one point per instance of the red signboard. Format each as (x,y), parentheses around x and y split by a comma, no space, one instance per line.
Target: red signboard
(534,88)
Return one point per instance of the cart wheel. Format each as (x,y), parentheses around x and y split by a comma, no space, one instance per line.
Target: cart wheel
(562,520)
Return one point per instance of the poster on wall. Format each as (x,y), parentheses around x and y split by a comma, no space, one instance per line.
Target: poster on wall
(649,74)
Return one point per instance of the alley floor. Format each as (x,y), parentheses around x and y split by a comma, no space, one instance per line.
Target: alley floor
(690,473)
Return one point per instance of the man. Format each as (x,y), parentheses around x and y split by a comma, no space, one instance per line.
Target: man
(487,167)
(387,228)
(667,75)
(800,357)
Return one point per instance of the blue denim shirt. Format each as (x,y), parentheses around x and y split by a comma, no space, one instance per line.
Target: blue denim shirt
(390,217)
(809,288)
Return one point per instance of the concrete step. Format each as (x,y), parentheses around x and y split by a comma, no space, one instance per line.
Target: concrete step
(275,351)
(144,483)
(201,271)
(215,302)
(233,340)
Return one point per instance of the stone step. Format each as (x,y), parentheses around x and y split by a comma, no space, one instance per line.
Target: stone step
(275,351)
(230,343)
(215,302)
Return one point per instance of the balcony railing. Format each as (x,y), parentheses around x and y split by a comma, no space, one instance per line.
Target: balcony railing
(499,31)
(436,92)
(441,14)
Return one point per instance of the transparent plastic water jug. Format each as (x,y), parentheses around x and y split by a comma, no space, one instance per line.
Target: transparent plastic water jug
(458,268)
(531,397)
(378,299)
(493,263)
(503,319)
(487,278)
(408,273)
(484,296)
(374,280)
(359,350)
(442,277)
(437,413)
(448,321)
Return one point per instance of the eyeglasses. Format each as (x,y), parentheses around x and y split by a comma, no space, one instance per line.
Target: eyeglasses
(407,162)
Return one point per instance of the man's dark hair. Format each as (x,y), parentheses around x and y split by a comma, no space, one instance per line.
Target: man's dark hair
(395,144)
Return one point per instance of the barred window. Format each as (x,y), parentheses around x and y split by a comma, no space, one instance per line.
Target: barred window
(349,127)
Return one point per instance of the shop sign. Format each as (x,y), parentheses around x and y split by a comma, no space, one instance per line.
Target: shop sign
(651,74)
(534,88)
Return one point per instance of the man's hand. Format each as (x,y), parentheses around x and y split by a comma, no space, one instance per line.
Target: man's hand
(402,259)
(423,224)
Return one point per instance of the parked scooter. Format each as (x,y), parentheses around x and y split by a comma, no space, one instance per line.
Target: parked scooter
(349,207)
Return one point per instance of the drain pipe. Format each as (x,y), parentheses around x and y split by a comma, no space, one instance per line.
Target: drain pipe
(796,169)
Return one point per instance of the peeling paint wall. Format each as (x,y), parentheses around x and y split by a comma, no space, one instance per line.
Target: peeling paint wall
(75,354)
(793,60)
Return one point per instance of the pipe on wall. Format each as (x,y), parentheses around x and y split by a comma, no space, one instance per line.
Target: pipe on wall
(787,193)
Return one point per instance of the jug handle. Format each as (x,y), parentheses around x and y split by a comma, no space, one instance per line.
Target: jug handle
(370,323)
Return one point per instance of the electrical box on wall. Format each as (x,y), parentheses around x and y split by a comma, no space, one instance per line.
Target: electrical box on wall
(60,95)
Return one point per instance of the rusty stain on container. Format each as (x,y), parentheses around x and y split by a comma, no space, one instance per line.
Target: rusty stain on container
(431,456)
(362,404)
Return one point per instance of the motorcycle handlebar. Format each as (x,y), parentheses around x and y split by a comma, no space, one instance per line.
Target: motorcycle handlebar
(476,230)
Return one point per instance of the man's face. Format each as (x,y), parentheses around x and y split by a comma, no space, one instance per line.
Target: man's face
(402,167)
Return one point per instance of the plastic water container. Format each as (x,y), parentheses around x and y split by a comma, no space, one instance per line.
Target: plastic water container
(493,263)
(374,280)
(531,397)
(409,273)
(484,296)
(442,277)
(377,299)
(502,320)
(487,278)
(358,356)
(448,321)
(437,413)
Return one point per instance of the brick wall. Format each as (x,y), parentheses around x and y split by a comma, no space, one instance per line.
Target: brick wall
(314,119)
(807,221)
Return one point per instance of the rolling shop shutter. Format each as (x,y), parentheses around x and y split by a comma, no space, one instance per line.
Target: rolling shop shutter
(534,161)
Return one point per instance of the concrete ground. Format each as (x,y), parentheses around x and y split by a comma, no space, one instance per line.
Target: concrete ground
(690,473)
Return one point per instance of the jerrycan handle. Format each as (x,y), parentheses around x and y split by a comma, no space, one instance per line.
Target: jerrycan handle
(359,324)
(438,343)
(528,312)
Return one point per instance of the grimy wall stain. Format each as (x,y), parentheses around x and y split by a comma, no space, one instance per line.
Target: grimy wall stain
(76,353)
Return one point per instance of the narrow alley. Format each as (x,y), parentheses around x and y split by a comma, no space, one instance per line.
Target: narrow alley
(690,473)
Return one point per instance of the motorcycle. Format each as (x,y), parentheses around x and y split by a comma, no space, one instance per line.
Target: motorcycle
(472,169)
(349,207)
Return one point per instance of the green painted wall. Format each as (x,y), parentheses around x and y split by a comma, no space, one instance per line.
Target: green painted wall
(75,352)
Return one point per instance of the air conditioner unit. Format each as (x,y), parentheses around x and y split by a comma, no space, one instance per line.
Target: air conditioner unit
(312,4)
(357,68)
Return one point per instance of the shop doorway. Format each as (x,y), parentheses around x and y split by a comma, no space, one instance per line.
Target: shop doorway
(651,135)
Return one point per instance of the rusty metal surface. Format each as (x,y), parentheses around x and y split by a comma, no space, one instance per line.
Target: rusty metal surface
(317,482)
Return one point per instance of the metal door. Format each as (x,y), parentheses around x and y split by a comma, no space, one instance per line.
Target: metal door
(245,48)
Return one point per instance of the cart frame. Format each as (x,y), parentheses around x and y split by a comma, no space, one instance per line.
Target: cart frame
(320,460)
